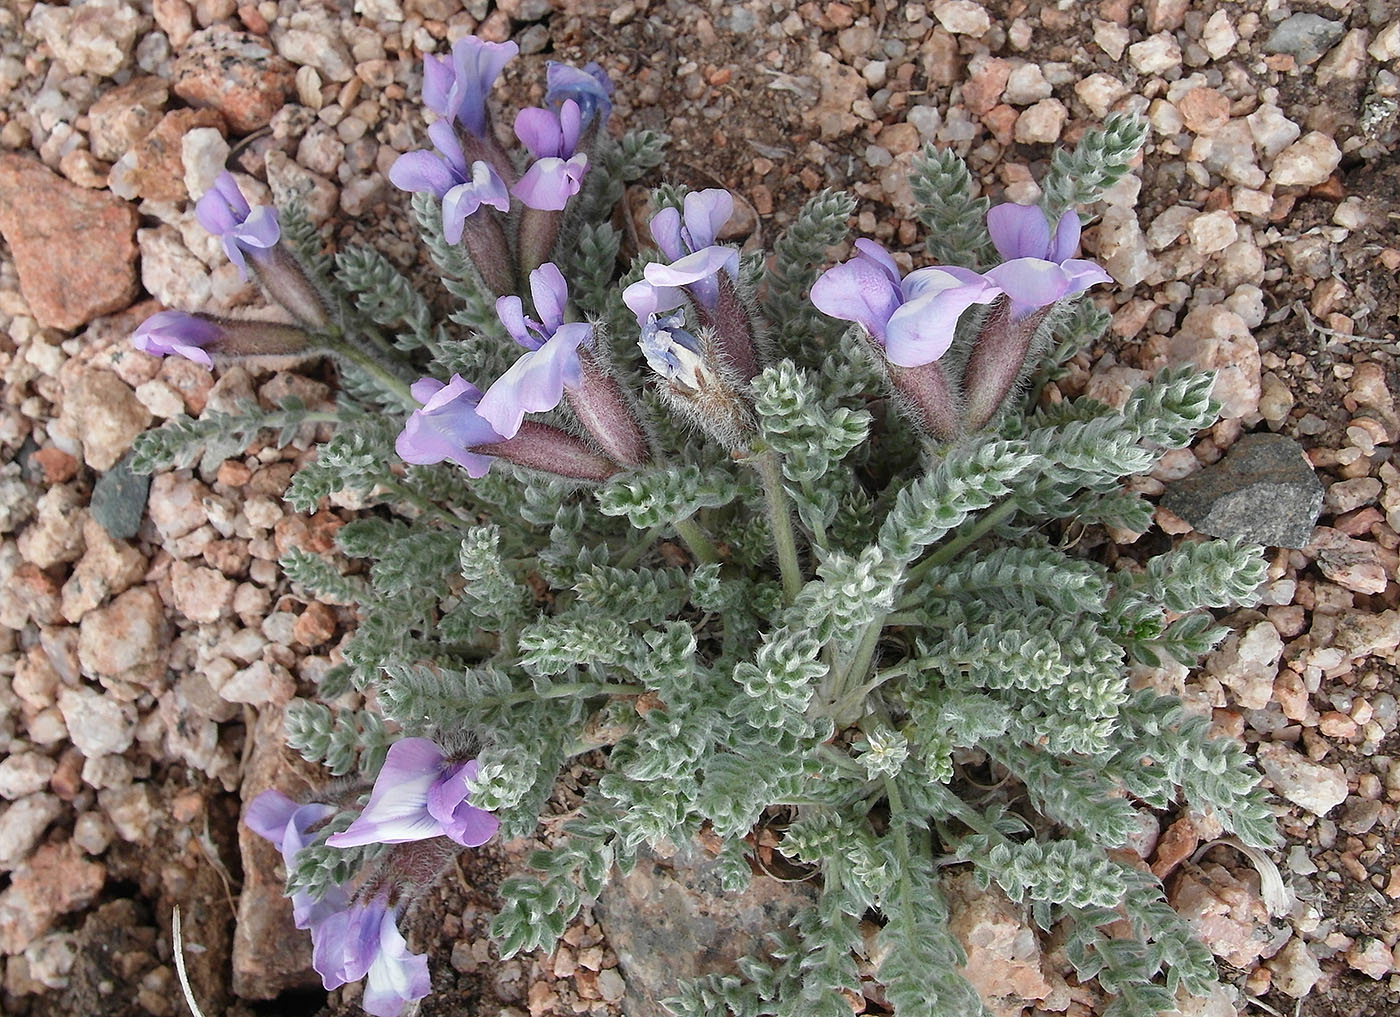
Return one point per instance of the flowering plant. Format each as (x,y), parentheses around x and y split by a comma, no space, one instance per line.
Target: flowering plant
(869,607)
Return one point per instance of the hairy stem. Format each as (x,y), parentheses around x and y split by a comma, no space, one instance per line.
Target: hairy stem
(385,379)
(780,521)
(701,547)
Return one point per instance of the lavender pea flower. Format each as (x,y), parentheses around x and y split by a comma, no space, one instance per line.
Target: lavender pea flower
(447,426)
(913,319)
(590,87)
(1038,269)
(363,941)
(225,213)
(701,272)
(277,818)
(197,337)
(536,382)
(184,335)
(463,191)
(559,364)
(1039,272)
(419,794)
(456,87)
(252,235)
(557,172)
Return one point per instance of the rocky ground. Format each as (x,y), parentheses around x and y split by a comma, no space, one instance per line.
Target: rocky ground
(145,652)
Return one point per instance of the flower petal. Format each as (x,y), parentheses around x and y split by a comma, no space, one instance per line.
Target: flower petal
(397,811)
(268,815)
(395,976)
(696,273)
(1019,231)
(922,329)
(666,233)
(511,310)
(538,130)
(706,212)
(549,183)
(1030,283)
(421,171)
(551,294)
(870,249)
(859,290)
(535,383)
(1066,239)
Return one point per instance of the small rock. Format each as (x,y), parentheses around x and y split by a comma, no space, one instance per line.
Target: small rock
(1315,787)
(1004,960)
(56,535)
(1247,663)
(131,811)
(1219,35)
(74,248)
(57,880)
(1216,339)
(1204,110)
(154,169)
(1042,123)
(1112,38)
(1122,248)
(963,17)
(1026,84)
(1156,54)
(317,49)
(1304,36)
(1308,161)
(1099,92)
(119,500)
(841,87)
(24,773)
(1228,916)
(177,504)
(1347,495)
(94,37)
(1346,60)
(1371,957)
(1295,969)
(203,153)
(125,115)
(1272,130)
(201,594)
(259,684)
(124,642)
(237,74)
(170,272)
(1263,491)
(1211,232)
(670,919)
(102,412)
(97,724)
(21,826)
(1361,566)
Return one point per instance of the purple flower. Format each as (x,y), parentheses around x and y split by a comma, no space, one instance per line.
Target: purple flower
(536,382)
(1038,269)
(671,351)
(446,176)
(417,795)
(591,88)
(176,332)
(275,817)
(456,87)
(364,940)
(557,172)
(914,319)
(447,427)
(225,213)
(696,261)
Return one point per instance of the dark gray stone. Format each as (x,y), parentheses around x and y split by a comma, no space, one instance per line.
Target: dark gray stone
(671,918)
(119,499)
(1305,36)
(1263,491)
